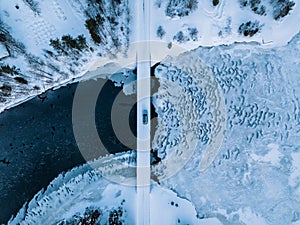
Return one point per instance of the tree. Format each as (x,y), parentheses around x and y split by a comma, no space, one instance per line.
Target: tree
(56,45)
(249,28)
(193,32)
(256,6)
(115,217)
(92,25)
(68,42)
(179,37)
(160,32)
(180,8)
(21,80)
(81,42)
(33,5)
(281,8)
(215,2)
(9,70)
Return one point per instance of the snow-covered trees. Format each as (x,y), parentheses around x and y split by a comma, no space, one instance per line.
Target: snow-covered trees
(256,6)
(6,69)
(160,32)
(68,44)
(180,8)
(90,216)
(278,8)
(107,22)
(281,8)
(5,90)
(115,217)
(249,28)
(93,26)
(33,5)
(186,34)
(95,216)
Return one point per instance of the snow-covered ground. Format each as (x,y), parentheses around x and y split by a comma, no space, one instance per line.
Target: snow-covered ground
(27,28)
(83,190)
(31,25)
(217,25)
(255,176)
(251,177)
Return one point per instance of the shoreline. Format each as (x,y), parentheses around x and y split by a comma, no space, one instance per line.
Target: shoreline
(37,142)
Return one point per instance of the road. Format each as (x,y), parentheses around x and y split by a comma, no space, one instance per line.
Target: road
(143,106)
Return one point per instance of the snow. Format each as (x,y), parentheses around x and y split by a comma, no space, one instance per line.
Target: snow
(251,166)
(255,174)
(295,175)
(81,188)
(249,218)
(57,18)
(190,108)
(226,17)
(174,210)
(273,156)
(33,32)
(3,51)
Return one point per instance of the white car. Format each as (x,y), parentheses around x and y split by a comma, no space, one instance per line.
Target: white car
(145,116)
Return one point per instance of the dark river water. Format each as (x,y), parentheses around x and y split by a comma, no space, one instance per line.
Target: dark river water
(37,142)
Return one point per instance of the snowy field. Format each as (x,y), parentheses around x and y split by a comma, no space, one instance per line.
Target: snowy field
(229,146)
(217,22)
(50,43)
